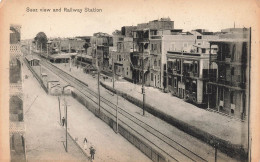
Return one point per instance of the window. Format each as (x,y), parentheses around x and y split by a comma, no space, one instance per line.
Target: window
(195,67)
(185,44)
(199,37)
(203,50)
(172,47)
(233,52)
(178,65)
(232,70)
(154,47)
(221,94)
(170,81)
(232,97)
(151,76)
(155,63)
(175,82)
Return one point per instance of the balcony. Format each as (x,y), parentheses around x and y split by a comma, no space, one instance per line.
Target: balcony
(140,54)
(156,68)
(156,37)
(141,40)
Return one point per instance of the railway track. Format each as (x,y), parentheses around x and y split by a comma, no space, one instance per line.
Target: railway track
(191,156)
(175,150)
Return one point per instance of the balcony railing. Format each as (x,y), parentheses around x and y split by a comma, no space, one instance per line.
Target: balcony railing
(156,37)
(141,40)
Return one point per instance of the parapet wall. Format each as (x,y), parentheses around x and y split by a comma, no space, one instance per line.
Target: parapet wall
(123,129)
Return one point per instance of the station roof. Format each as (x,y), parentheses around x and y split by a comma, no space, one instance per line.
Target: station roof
(31,57)
(62,55)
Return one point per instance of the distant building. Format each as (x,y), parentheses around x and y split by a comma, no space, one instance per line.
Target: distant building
(120,55)
(101,43)
(228,90)
(65,45)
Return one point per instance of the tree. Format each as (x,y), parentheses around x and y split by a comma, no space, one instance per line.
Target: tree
(41,39)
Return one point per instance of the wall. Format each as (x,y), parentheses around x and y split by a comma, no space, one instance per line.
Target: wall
(236,151)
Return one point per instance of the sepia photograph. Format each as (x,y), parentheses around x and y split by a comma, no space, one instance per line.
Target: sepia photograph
(129,81)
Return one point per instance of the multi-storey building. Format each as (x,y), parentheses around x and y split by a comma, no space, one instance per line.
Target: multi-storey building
(228,90)
(153,40)
(187,75)
(146,56)
(101,42)
(120,57)
(16,114)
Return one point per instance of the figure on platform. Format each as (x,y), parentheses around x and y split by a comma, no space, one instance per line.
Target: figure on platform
(92,152)
(63,121)
(85,143)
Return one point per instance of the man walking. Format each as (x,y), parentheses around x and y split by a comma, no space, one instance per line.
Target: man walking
(92,152)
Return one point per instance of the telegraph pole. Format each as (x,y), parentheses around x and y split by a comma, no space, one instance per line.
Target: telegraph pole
(98,69)
(47,51)
(113,68)
(66,122)
(59,108)
(116,112)
(41,49)
(143,90)
(70,56)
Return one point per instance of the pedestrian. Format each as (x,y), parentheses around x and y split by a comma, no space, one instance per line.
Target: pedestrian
(85,143)
(63,121)
(92,152)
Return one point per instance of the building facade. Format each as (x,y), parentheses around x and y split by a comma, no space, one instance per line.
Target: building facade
(153,41)
(228,90)
(16,113)
(187,76)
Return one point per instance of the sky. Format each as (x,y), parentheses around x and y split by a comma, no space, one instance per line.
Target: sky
(187,15)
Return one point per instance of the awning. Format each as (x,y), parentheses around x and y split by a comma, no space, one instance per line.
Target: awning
(187,62)
(173,60)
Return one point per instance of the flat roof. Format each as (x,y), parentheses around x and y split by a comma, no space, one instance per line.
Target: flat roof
(85,56)
(229,40)
(205,46)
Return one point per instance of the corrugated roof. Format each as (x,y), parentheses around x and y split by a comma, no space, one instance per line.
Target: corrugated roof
(31,57)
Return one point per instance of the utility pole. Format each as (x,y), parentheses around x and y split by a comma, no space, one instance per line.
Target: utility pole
(31,49)
(143,90)
(59,108)
(216,151)
(41,49)
(66,122)
(47,51)
(70,57)
(116,112)
(113,68)
(98,69)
